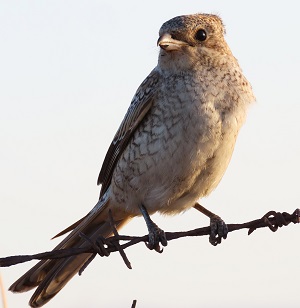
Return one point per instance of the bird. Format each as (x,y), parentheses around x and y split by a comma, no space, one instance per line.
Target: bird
(171,149)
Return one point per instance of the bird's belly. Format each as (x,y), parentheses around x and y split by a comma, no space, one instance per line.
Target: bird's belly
(168,183)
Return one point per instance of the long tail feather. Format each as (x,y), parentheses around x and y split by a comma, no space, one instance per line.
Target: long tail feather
(50,276)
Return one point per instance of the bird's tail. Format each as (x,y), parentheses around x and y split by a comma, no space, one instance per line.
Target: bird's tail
(50,276)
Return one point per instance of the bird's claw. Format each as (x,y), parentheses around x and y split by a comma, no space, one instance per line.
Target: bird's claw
(156,236)
(218,231)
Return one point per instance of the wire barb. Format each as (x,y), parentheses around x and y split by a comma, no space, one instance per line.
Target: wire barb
(116,243)
(275,220)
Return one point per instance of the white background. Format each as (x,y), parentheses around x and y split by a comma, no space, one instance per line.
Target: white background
(68,70)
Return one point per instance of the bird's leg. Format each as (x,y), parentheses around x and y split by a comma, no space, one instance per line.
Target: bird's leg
(218,227)
(156,235)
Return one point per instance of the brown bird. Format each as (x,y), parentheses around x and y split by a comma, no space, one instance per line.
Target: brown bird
(171,149)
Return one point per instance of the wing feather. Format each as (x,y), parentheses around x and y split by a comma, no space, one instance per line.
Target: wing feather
(139,107)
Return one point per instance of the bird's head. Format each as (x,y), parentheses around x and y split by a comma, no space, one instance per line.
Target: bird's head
(192,39)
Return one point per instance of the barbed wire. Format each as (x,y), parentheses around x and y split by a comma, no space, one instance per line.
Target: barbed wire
(104,246)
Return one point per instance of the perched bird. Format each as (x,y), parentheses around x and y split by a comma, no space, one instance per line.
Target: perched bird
(171,149)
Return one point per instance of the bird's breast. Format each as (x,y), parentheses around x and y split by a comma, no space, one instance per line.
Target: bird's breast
(181,148)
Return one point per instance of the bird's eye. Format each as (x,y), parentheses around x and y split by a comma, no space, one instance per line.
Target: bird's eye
(200,35)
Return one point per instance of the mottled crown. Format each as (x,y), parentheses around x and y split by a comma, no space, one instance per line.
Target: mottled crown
(192,22)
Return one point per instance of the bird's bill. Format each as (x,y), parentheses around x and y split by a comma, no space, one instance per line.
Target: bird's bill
(167,43)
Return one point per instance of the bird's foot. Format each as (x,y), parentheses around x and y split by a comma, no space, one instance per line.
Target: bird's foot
(156,236)
(218,229)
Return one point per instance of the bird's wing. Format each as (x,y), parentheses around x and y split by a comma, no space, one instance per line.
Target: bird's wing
(140,105)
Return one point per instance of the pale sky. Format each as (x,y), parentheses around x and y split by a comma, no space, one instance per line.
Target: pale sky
(68,72)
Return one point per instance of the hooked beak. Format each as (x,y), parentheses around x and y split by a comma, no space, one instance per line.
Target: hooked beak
(166,42)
